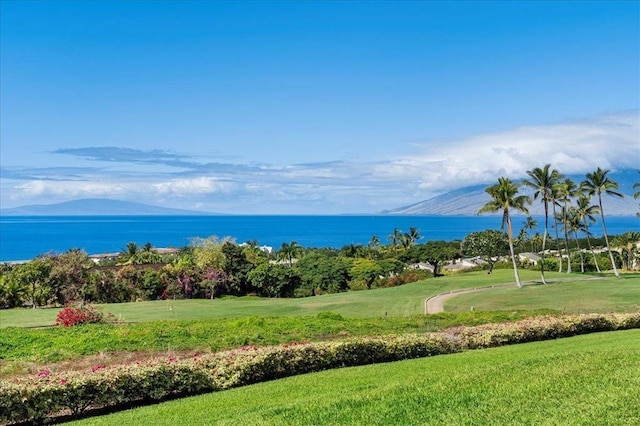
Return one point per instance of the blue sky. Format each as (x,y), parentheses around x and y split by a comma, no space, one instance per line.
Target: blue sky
(308,107)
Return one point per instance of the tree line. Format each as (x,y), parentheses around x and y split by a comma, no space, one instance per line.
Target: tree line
(571,205)
(213,267)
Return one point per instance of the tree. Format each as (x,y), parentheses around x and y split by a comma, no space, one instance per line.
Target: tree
(566,190)
(436,253)
(320,271)
(536,242)
(214,280)
(289,252)
(627,243)
(598,183)
(69,275)
(127,254)
(542,181)
(274,280)
(636,194)
(207,252)
(574,224)
(33,276)
(489,245)
(366,270)
(408,239)
(586,212)
(395,238)
(504,197)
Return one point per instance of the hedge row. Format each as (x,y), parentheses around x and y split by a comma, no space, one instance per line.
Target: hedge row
(40,397)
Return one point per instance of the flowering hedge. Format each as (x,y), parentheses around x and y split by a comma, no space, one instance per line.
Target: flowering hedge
(82,314)
(38,398)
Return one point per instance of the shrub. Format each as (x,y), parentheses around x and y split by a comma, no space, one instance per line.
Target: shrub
(43,395)
(82,314)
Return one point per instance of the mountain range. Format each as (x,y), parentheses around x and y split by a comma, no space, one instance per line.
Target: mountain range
(94,207)
(460,202)
(467,201)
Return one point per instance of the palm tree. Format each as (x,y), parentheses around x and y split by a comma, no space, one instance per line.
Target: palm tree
(542,181)
(598,183)
(566,190)
(395,238)
(128,254)
(574,225)
(530,224)
(289,251)
(504,197)
(414,234)
(554,198)
(536,242)
(636,194)
(627,243)
(586,212)
(523,237)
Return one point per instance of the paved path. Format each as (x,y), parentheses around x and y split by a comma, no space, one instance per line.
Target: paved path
(435,304)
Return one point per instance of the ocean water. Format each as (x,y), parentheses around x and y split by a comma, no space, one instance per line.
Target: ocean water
(25,237)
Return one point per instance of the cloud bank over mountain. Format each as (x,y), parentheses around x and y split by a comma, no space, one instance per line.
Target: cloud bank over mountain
(175,179)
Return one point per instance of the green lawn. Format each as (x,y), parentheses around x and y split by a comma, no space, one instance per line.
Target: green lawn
(397,301)
(584,380)
(606,295)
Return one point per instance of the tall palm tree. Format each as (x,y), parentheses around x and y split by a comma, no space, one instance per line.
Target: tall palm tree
(636,194)
(586,213)
(598,183)
(574,225)
(566,190)
(542,181)
(504,197)
(554,204)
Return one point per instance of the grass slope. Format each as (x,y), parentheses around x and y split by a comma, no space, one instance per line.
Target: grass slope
(598,296)
(584,380)
(20,348)
(399,301)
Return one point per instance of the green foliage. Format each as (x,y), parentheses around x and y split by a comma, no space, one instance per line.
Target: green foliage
(48,393)
(584,380)
(489,245)
(46,344)
(324,273)
(208,252)
(434,252)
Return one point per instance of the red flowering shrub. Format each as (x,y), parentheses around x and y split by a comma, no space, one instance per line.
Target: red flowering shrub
(78,315)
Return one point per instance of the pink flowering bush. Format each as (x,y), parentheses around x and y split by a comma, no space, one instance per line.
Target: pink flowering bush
(46,394)
(81,314)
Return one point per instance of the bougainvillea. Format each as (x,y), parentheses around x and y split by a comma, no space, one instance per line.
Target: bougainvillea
(81,314)
(38,397)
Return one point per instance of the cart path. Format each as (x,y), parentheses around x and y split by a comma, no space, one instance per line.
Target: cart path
(435,304)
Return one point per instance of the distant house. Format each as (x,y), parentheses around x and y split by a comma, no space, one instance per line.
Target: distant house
(265,249)
(462,264)
(530,259)
(423,266)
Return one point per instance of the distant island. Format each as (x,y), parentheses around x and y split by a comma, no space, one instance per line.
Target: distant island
(95,207)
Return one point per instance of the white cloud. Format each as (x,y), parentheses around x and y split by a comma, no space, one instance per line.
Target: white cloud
(68,188)
(198,185)
(610,141)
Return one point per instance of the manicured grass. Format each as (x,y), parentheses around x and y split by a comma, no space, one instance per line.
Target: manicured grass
(397,301)
(26,346)
(599,296)
(592,379)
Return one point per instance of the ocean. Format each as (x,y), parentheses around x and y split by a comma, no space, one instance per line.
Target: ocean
(25,237)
